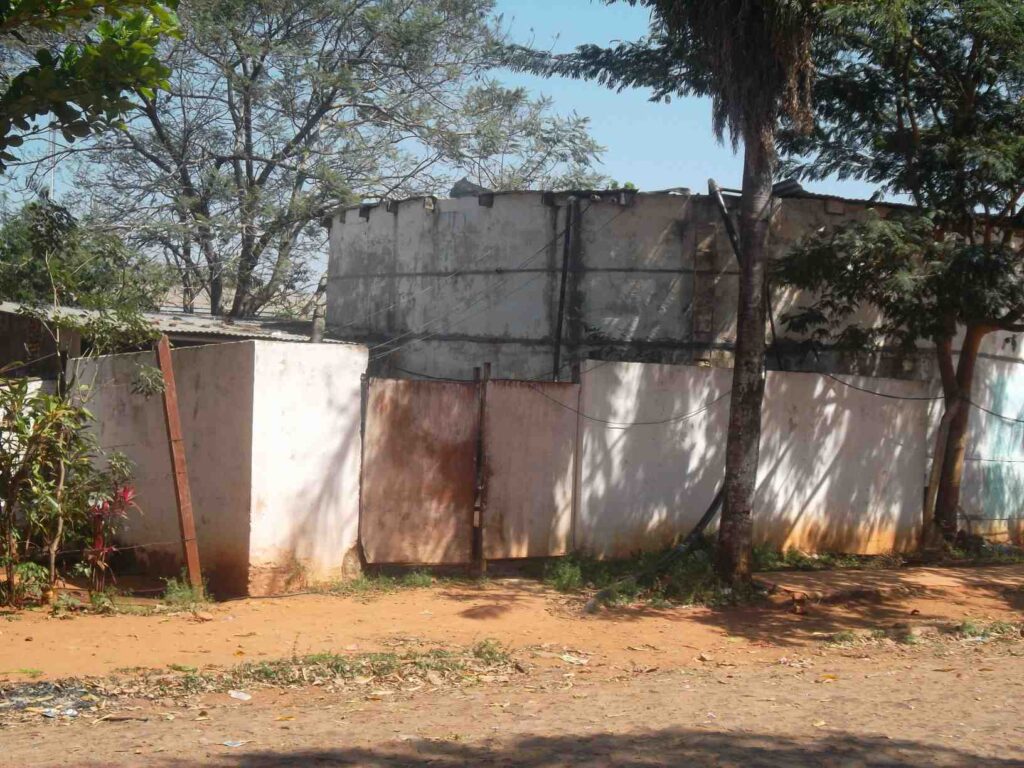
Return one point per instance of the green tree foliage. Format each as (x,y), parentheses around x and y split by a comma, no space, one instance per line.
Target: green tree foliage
(924,98)
(279,111)
(78,61)
(47,257)
(753,59)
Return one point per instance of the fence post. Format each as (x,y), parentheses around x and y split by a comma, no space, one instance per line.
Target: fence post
(179,469)
(480,503)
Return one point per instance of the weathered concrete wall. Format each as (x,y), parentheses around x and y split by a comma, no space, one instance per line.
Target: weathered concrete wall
(419,271)
(215,399)
(840,469)
(306,447)
(652,279)
(273,450)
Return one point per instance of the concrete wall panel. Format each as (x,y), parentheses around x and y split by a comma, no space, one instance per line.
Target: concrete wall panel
(642,486)
(305,465)
(992,489)
(839,469)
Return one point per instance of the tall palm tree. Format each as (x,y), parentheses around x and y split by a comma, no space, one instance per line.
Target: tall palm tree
(753,58)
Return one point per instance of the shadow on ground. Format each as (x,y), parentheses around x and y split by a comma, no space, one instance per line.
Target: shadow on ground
(668,747)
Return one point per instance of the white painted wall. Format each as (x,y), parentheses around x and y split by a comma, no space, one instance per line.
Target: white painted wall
(992,490)
(305,464)
(641,486)
(839,470)
(215,385)
(272,445)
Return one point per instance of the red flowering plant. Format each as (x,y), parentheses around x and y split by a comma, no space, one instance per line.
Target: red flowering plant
(106,513)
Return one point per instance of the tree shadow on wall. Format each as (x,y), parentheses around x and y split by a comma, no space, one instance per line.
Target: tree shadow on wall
(840,469)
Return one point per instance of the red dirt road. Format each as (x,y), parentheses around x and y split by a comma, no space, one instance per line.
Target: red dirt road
(518,613)
(750,687)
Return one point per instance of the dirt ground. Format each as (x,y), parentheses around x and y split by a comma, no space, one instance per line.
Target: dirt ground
(634,685)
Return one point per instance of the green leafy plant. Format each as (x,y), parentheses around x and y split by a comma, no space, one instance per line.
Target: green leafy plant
(84,85)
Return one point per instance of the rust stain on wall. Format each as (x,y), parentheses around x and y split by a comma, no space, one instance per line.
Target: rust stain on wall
(419,472)
(529,449)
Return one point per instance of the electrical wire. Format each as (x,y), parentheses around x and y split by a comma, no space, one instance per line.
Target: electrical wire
(483,295)
(877,394)
(989,411)
(553,241)
(628,424)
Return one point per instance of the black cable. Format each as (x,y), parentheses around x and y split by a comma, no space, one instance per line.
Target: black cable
(877,394)
(484,291)
(628,424)
(483,295)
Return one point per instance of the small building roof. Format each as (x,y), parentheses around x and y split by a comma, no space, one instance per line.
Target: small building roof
(185,327)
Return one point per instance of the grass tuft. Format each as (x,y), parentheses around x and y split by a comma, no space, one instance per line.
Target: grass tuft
(655,577)
(179,593)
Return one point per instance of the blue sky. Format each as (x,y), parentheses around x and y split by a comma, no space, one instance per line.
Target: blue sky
(655,146)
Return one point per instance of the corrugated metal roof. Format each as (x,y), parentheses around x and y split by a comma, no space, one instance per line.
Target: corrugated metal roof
(181,324)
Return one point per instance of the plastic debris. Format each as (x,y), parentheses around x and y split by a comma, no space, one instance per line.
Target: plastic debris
(240,695)
(234,744)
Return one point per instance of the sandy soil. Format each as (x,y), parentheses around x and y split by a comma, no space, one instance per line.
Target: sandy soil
(518,613)
(746,687)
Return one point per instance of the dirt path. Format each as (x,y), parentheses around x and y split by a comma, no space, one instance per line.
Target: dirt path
(517,613)
(638,686)
(840,709)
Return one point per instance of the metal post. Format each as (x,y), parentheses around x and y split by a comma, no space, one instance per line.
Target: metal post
(480,503)
(560,316)
(178,467)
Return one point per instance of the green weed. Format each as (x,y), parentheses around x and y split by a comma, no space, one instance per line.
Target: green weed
(417,580)
(843,637)
(564,574)
(179,593)
(969,629)
(766,558)
(656,577)
(490,652)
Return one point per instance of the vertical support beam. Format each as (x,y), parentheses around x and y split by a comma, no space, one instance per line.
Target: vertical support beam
(480,504)
(563,282)
(179,469)
(576,276)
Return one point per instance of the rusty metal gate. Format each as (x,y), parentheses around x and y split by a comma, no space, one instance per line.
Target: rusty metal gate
(419,472)
(529,467)
(420,478)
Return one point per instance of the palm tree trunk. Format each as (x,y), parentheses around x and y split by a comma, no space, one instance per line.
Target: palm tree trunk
(742,444)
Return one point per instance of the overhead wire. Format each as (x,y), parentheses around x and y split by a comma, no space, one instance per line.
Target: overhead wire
(483,295)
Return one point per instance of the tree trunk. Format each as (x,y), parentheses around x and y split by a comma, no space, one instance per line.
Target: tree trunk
(744,436)
(948,501)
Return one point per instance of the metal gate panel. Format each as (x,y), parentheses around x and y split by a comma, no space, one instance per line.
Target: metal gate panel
(529,450)
(419,472)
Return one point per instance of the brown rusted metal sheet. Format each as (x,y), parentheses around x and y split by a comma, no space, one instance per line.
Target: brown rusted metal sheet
(529,449)
(419,472)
